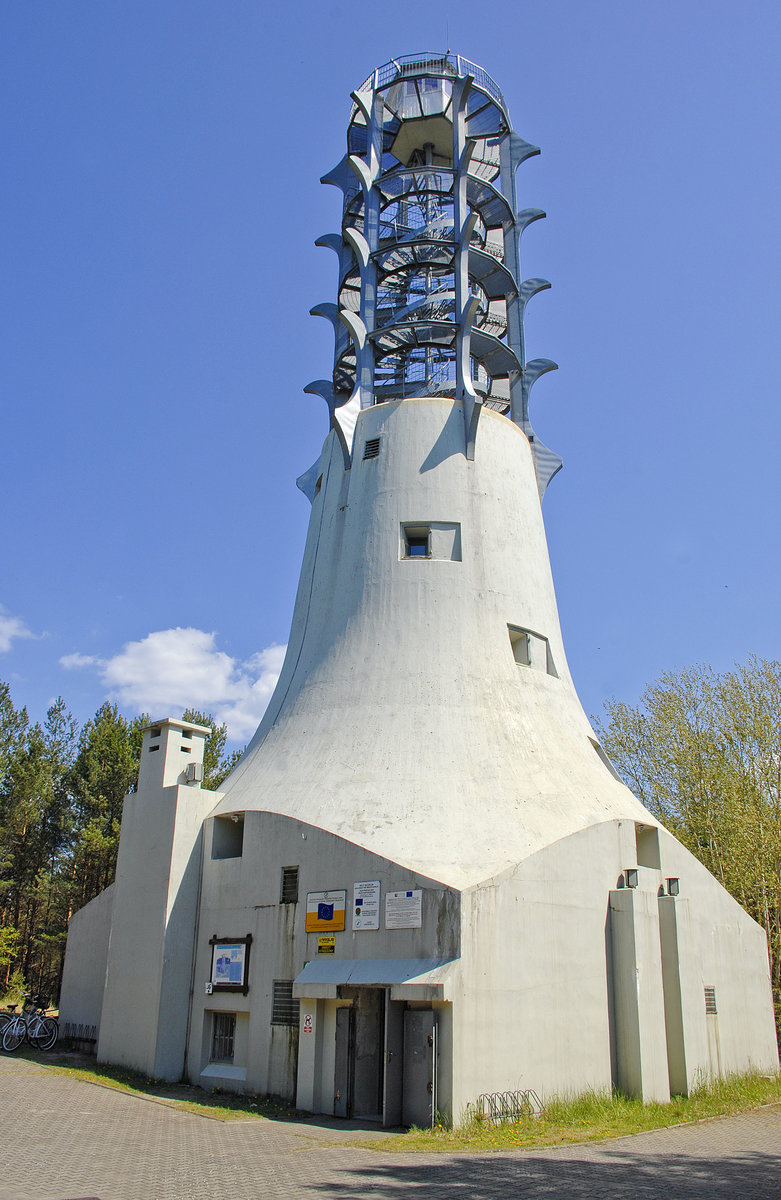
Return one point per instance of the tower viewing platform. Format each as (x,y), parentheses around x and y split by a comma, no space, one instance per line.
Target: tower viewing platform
(430,295)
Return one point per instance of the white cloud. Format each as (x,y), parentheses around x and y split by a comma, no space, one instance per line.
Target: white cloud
(10,629)
(74,661)
(174,669)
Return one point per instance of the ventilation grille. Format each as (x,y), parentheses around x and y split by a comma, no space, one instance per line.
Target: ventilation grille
(371,448)
(285,1009)
(289,890)
(710,1000)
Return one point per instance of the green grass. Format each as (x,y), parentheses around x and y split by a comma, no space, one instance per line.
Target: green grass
(587,1118)
(594,1117)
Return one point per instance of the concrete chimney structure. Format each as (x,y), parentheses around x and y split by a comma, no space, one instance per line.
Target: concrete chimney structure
(424,882)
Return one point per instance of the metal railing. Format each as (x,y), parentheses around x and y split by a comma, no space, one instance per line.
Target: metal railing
(432,64)
(507,1108)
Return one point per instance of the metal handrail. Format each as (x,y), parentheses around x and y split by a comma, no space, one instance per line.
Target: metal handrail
(428,63)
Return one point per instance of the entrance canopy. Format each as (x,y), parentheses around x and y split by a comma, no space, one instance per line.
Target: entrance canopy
(407,978)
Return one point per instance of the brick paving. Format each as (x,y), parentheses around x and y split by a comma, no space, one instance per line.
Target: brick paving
(69,1140)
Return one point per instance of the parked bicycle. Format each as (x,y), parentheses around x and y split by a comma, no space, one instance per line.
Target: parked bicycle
(31,1023)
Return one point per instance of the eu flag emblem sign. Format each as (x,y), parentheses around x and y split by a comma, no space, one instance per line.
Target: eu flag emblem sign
(325,911)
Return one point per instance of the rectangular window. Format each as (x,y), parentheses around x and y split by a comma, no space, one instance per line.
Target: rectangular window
(284,1009)
(710,1001)
(436,539)
(416,541)
(531,650)
(228,836)
(647,838)
(223,1037)
(289,889)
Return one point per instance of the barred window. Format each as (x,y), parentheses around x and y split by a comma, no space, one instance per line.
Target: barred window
(289,889)
(371,448)
(710,1000)
(223,1037)
(284,1009)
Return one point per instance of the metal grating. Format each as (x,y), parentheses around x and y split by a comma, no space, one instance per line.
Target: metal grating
(371,448)
(223,1036)
(710,1001)
(284,1009)
(289,890)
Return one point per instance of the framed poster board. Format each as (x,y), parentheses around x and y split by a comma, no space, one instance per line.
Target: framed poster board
(230,964)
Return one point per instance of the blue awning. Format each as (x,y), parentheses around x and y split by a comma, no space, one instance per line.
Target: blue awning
(408,978)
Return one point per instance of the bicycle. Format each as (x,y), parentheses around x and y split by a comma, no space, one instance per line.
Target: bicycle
(31,1023)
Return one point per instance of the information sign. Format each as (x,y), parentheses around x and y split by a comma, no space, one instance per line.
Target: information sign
(326,945)
(366,904)
(325,911)
(403,910)
(228,966)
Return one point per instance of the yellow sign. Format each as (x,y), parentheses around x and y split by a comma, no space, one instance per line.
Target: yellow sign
(325,911)
(326,945)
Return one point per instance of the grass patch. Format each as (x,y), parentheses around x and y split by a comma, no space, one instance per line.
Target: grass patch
(593,1117)
(215,1103)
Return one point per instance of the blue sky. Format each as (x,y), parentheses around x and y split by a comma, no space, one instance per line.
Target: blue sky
(161,204)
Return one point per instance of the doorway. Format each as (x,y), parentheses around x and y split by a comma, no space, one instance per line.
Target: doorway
(360,1057)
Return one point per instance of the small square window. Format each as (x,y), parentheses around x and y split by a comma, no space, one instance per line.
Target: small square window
(416,541)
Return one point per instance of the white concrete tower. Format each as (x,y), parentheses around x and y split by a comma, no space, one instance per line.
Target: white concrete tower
(497,910)
(425,707)
(425,713)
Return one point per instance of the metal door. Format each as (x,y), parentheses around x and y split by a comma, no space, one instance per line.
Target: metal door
(419,1102)
(345,1057)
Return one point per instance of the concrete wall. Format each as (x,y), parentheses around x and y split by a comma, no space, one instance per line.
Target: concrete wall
(567,983)
(145,1013)
(86,958)
(242,895)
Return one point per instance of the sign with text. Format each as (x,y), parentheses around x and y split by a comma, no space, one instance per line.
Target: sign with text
(325,911)
(403,910)
(326,945)
(228,964)
(366,904)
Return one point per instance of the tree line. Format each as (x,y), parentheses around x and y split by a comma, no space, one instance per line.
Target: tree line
(702,751)
(61,794)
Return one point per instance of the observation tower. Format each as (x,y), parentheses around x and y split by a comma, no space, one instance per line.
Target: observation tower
(430,298)
(424,883)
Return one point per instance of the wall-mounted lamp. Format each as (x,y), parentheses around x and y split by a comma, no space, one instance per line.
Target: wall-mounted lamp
(235,818)
(630,875)
(673,887)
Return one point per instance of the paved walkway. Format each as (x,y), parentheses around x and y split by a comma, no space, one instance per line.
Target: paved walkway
(69,1140)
